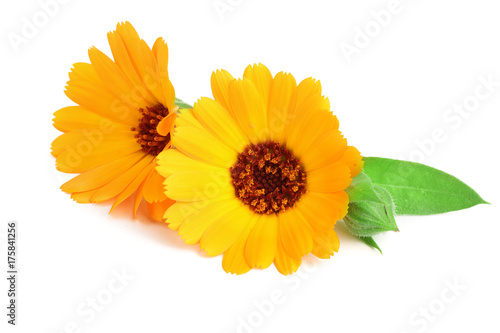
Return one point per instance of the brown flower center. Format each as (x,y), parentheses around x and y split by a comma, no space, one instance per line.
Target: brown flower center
(268,178)
(152,143)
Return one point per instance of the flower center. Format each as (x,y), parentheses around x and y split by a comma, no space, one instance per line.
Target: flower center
(151,142)
(268,178)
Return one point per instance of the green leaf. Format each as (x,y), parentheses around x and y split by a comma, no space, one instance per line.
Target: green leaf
(370,242)
(371,209)
(181,104)
(418,189)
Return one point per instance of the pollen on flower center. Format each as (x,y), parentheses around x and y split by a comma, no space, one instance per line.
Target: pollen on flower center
(268,178)
(152,143)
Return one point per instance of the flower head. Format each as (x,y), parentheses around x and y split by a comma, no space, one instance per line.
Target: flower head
(259,172)
(124,114)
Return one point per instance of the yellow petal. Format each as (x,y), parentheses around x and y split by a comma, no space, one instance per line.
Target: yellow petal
(249,110)
(172,161)
(220,87)
(195,225)
(218,122)
(261,78)
(234,258)
(198,185)
(203,146)
(306,88)
(186,118)
(224,232)
(260,248)
(310,103)
(180,211)
(281,105)
(294,132)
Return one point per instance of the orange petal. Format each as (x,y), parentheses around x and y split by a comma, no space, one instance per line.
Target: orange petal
(325,244)
(102,174)
(323,210)
(166,125)
(332,178)
(353,159)
(84,155)
(86,89)
(157,209)
(142,58)
(153,187)
(160,50)
(84,197)
(122,59)
(119,184)
(78,118)
(326,149)
(113,77)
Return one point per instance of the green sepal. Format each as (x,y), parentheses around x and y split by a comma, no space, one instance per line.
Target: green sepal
(181,104)
(417,189)
(371,209)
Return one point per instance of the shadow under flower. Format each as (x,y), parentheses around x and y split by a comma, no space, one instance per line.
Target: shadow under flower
(149,228)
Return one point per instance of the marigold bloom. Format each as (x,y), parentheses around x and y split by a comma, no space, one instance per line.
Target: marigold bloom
(124,114)
(259,172)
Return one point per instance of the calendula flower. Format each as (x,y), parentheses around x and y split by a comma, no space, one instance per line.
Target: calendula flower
(123,118)
(259,172)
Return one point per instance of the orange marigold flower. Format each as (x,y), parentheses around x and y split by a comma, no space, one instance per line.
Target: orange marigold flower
(259,172)
(123,118)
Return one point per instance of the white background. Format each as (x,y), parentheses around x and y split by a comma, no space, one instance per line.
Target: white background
(392,94)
